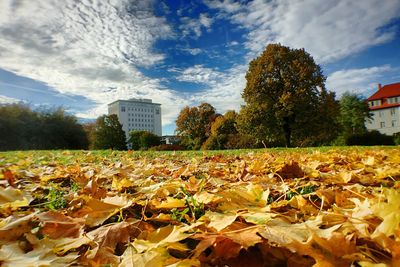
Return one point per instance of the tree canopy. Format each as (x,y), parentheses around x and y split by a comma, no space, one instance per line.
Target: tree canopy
(109,134)
(223,129)
(284,95)
(143,140)
(194,124)
(354,112)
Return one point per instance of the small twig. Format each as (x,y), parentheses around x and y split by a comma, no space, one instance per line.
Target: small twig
(355,193)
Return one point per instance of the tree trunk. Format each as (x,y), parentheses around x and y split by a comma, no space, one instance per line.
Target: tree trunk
(287,130)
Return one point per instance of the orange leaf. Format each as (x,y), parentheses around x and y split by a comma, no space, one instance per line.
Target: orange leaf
(57,225)
(10,177)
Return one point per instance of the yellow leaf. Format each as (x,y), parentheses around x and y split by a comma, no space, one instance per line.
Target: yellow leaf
(118,184)
(13,198)
(13,256)
(152,258)
(170,203)
(389,212)
(258,217)
(218,220)
(164,236)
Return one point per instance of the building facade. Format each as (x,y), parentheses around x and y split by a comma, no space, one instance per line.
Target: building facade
(137,115)
(385,108)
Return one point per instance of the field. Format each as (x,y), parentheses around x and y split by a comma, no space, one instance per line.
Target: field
(269,207)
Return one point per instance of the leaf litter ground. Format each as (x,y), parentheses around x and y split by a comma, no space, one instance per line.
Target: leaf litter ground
(311,207)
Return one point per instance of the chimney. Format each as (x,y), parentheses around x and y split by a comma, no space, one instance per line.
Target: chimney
(379,86)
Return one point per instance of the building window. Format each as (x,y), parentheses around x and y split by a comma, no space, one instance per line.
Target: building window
(394,123)
(380,113)
(393,111)
(382,124)
(157,111)
(122,109)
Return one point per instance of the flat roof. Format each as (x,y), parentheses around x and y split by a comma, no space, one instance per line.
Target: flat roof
(135,101)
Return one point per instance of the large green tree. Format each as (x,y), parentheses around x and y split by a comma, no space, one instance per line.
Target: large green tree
(354,112)
(109,134)
(143,140)
(194,125)
(284,94)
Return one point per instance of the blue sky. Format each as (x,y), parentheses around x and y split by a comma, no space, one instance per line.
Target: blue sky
(84,54)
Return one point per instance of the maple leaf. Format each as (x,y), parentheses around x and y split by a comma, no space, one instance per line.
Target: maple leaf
(10,177)
(218,220)
(107,238)
(169,203)
(389,212)
(152,258)
(95,211)
(245,215)
(12,227)
(13,198)
(12,256)
(290,169)
(57,225)
(164,236)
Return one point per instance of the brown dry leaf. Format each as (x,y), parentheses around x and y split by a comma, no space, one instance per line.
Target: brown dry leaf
(107,238)
(222,248)
(325,201)
(291,169)
(333,252)
(9,177)
(95,212)
(245,237)
(12,228)
(57,225)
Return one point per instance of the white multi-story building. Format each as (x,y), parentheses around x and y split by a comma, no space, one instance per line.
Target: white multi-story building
(137,115)
(385,108)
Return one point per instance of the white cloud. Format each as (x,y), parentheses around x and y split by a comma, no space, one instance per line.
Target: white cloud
(362,81)
(8,100)
(192,51)
(88,48)
(199,74)
(328,30)
(224,92)
(222,89)
(194,26)
(205,20)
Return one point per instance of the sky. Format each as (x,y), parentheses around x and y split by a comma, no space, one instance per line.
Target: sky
(82,55)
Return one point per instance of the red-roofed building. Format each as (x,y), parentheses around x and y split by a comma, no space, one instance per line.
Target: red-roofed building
(385,107)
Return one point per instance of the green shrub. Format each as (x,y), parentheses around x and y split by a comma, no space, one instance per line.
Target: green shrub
(143,140)
(371,138)
(396,138)
(165,147)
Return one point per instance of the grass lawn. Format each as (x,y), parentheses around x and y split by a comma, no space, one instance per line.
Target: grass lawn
(334,206)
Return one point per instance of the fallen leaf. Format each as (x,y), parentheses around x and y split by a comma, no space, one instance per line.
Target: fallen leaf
(57,225)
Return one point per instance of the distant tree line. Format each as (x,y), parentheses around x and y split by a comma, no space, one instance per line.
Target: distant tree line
(286,104)
(21,128)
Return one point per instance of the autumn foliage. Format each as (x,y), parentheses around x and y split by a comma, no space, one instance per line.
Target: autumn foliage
(264,208)
(286,100)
